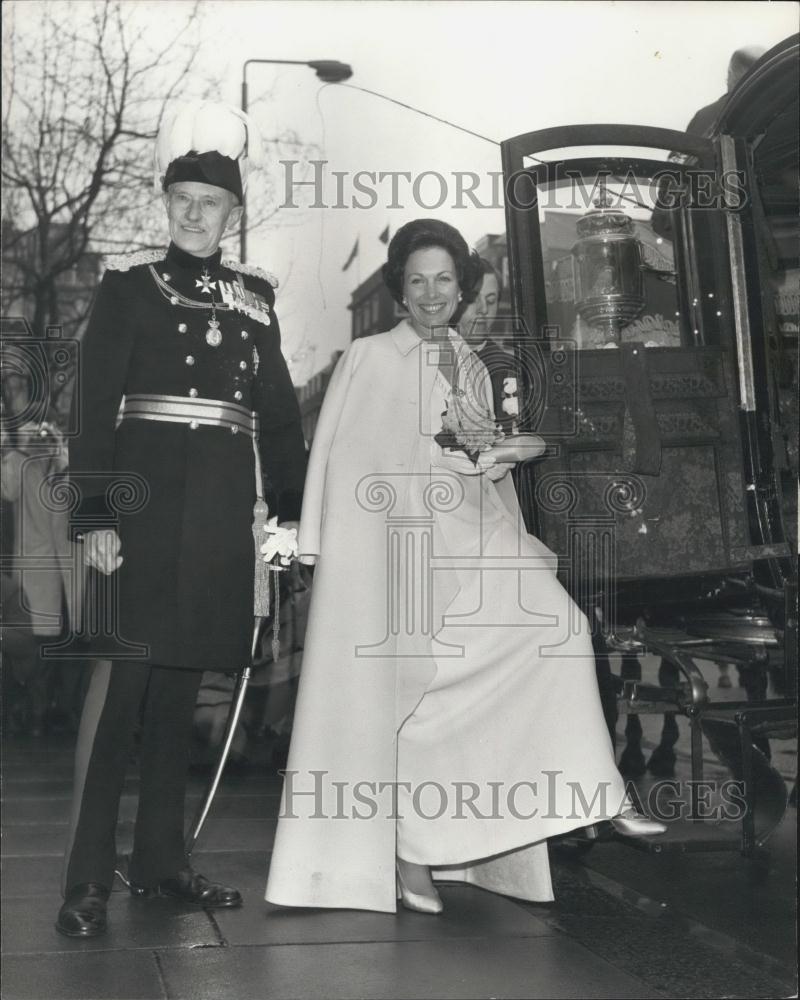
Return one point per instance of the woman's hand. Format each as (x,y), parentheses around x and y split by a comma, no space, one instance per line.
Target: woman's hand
(499,470)
(457,461)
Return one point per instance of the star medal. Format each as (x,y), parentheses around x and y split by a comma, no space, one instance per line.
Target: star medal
(213,333)
(205,284)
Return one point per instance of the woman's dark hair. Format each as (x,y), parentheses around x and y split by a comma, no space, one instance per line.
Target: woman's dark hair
(420,235)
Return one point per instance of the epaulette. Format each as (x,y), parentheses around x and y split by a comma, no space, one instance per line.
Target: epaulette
(125,261)
(255,272)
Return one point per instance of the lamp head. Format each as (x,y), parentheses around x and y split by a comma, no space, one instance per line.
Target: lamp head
(331,71)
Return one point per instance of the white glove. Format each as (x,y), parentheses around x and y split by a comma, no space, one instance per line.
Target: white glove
(281,543)
(457,461)
(101,550)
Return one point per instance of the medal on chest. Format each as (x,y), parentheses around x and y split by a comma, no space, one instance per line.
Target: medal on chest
(206,286)
(213,333)
(243,300)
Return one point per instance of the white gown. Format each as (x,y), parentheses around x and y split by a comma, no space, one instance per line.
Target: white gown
(493,743)
(508,745)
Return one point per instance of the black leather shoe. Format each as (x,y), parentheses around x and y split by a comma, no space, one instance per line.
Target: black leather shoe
(192,888)
(83,913)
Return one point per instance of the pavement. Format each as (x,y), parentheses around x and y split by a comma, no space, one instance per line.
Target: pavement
(626,922)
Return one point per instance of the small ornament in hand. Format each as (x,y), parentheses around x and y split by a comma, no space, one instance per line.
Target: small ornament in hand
(281,545)
(468,430)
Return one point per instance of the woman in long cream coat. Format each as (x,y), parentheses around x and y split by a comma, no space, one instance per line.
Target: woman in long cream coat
(448,718)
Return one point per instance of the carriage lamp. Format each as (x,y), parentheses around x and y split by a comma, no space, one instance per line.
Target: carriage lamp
(607,268)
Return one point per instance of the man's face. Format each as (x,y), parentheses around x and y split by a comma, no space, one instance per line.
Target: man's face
(199,214)
(476,320)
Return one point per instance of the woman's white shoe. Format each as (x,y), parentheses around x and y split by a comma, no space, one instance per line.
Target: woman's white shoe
(633,824)
(421,903)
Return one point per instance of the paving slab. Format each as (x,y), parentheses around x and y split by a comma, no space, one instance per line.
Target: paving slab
(548,967)
(38,771)
(89,976)
(247,870)
(56,809)
(48,840)
(652,940)
(37,876)
(237,835)
(46,787)
(31,876)
(468,912)
(246,805)
(760,900)
(133,924)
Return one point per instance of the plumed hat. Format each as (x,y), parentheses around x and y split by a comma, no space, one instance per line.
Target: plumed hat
(209,142)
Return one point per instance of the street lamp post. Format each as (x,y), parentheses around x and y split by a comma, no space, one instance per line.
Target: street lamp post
(327,70)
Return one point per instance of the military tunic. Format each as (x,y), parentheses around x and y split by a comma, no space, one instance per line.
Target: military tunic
(186,580)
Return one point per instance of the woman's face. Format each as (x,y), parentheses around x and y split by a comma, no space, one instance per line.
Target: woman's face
(475,322)
(430,289)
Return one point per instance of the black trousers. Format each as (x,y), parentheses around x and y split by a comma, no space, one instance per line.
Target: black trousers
(105,739)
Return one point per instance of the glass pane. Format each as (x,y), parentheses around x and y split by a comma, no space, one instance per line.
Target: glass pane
(610,264)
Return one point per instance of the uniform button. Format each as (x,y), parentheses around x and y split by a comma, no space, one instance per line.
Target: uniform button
(234,429)
(182,328)
(237,395)
(245,335)
(193,425)
(243,365)
(166,277)
(193,393)
(189,359)
(173,299)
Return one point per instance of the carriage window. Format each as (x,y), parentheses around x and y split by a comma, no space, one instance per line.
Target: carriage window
(618,266)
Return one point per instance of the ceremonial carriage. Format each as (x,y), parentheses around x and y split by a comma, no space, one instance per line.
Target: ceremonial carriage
(654,286)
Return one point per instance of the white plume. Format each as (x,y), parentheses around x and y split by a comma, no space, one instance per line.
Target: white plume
(204,126)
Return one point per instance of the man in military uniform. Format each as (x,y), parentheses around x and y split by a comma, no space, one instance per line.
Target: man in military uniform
(188,342)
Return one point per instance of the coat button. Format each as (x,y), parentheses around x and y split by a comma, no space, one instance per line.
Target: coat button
(193,425)
(173,299)
(245,335)
(193,393)
(237,395)
(243,365)
(234,429)
(189,359)
(182,328)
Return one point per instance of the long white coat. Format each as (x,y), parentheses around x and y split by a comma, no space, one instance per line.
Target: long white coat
(364,672)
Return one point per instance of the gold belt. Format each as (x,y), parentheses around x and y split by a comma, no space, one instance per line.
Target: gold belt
(194,412)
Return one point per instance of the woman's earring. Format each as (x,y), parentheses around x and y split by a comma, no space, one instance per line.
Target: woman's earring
(405,304)
(460,296)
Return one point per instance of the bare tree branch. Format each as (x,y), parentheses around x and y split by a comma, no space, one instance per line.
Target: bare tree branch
(82,87)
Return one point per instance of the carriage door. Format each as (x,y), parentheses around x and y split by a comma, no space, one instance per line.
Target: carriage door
(630,328)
